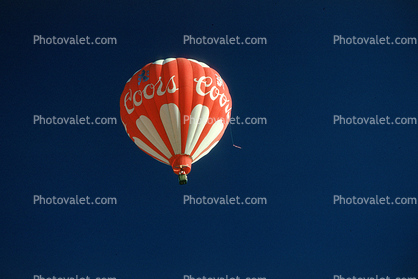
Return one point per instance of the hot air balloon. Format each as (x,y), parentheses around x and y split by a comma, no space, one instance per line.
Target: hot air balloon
(176,110)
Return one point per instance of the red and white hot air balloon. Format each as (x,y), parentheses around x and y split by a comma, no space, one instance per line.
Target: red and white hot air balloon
(176,110)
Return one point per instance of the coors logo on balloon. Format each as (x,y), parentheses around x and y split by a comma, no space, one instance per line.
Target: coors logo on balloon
(157,100)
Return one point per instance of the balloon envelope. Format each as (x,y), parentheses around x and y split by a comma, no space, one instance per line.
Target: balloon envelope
(176,110)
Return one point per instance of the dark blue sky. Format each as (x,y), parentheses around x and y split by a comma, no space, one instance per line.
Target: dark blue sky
(298,161)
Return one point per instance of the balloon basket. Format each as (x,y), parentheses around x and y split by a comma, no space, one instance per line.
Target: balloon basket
(182,178)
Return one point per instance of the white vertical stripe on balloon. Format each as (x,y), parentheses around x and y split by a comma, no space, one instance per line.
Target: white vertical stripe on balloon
(170,116)
(200,63)
(163,61)
(197,121)
(158,62)
(214,132)
(149,150)
(168,60)
(206,152)
(146,127)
